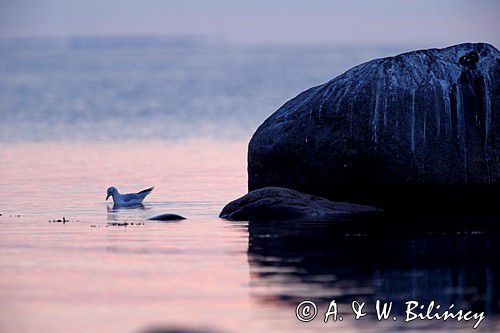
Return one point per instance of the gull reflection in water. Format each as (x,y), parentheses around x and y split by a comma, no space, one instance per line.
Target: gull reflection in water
(117,213)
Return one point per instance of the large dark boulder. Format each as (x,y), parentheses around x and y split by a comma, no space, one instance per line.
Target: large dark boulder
(408,129)
(276,204)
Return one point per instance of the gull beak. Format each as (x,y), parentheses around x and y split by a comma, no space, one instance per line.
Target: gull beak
(107,197)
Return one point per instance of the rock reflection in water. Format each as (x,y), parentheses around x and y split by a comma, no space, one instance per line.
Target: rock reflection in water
(322,261)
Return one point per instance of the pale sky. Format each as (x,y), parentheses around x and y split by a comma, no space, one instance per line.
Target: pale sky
(320,21)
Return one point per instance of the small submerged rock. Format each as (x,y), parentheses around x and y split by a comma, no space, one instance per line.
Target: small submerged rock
(167,217)
(277,203)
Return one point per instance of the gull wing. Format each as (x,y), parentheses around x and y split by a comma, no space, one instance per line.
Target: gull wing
(146,191)
(136,197)
(131,197)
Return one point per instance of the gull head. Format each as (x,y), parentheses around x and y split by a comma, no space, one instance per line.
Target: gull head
(111,190)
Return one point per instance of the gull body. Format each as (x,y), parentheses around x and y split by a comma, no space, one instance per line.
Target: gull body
(129,199)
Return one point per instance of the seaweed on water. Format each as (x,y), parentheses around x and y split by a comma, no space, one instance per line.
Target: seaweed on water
(118,224)
(63,221)
(122,224)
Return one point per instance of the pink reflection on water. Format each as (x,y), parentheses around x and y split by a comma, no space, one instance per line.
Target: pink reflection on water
(77,277)
(47,178)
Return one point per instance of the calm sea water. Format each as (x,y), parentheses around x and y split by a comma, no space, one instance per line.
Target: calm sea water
(76,119)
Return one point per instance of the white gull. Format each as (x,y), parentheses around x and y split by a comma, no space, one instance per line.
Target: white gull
(129,199)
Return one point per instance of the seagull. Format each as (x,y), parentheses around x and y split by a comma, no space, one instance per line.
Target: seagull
(129,199)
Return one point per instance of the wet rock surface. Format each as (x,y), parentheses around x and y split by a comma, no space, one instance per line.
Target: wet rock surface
(390,132)
(274,203)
